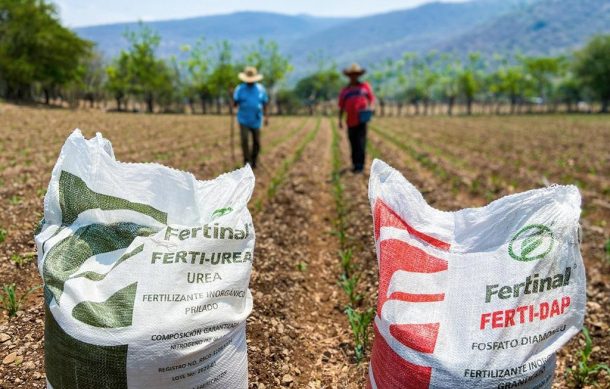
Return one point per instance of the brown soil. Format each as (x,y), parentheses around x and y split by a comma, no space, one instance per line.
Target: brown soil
(298,335)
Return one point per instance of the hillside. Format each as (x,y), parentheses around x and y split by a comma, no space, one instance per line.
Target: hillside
(241,28)
(543,27)
(368,39)
(488,26)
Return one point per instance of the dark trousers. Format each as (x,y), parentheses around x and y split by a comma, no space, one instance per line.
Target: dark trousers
(357,140)
(250,155)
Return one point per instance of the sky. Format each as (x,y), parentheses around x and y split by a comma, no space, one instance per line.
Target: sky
(78,13)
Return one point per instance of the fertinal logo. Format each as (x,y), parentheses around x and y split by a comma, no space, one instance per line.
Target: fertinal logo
(531,243)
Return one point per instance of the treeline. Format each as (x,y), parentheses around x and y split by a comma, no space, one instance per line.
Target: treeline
(498,84)
(40,60)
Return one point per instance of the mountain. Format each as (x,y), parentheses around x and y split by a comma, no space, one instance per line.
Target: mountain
(489,26)
(543,27)
(389,35)
(241,28)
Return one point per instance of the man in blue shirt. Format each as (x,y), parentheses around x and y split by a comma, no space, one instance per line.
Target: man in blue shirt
(251,99)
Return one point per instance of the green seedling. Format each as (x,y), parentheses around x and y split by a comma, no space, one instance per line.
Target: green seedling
(14,200)
(607,249)
(359,322)
(3,234)
(302,266)
(585,372)
(9,300)
(350,287)
(347,264)
(20,260)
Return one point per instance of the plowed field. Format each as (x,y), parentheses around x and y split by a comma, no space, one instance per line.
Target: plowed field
(298,334)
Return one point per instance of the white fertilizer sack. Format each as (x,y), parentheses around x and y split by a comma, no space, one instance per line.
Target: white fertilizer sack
(478,298)
(145,272)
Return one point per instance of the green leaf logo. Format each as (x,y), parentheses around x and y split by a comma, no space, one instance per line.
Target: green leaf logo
(221,212)
(531,243)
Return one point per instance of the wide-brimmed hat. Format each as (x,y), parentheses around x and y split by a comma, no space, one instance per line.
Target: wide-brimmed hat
(354,69)
(250,74)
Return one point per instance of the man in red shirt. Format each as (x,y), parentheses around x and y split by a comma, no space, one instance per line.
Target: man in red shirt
(356,100)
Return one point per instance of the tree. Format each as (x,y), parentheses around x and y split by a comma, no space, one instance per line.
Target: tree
(510,81)
(448,80)
(118,78)
(569,92)
(469,79)
(223,78)
(36,50)
(382,81)
(592,68)
(544,71)
(149,77)
(199,69)
(94,78)
(323,85)
(267,58)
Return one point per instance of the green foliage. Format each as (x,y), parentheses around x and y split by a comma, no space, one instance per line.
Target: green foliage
(287,101)
(36,50)
(585,372)
(223,78)
(3,234)
(323,85)
(19,260)
(350,287)
(15,200)
(118,78)
(592,68)
(346,257)
(199,68)
(10,301)
(606,248)
(267,58)
(359,322)
(302,266)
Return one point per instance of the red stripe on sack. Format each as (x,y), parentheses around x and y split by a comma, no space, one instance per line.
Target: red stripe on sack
(397,255)
(417,298)
(384,216)
(419,337)
(390,371)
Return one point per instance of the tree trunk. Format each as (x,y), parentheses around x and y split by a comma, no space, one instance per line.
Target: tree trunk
(469,101)
(150,107)
(46,96)
(450,105)
(218,107)
(604,106)
(204,107)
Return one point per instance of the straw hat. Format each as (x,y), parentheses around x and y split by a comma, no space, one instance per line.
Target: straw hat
(354,69)
(250,74)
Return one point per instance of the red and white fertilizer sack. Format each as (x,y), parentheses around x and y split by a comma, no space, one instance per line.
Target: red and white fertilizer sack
(146,273)
(478,298)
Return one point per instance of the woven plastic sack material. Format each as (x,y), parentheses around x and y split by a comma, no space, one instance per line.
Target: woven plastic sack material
(478,298)
(146,273)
